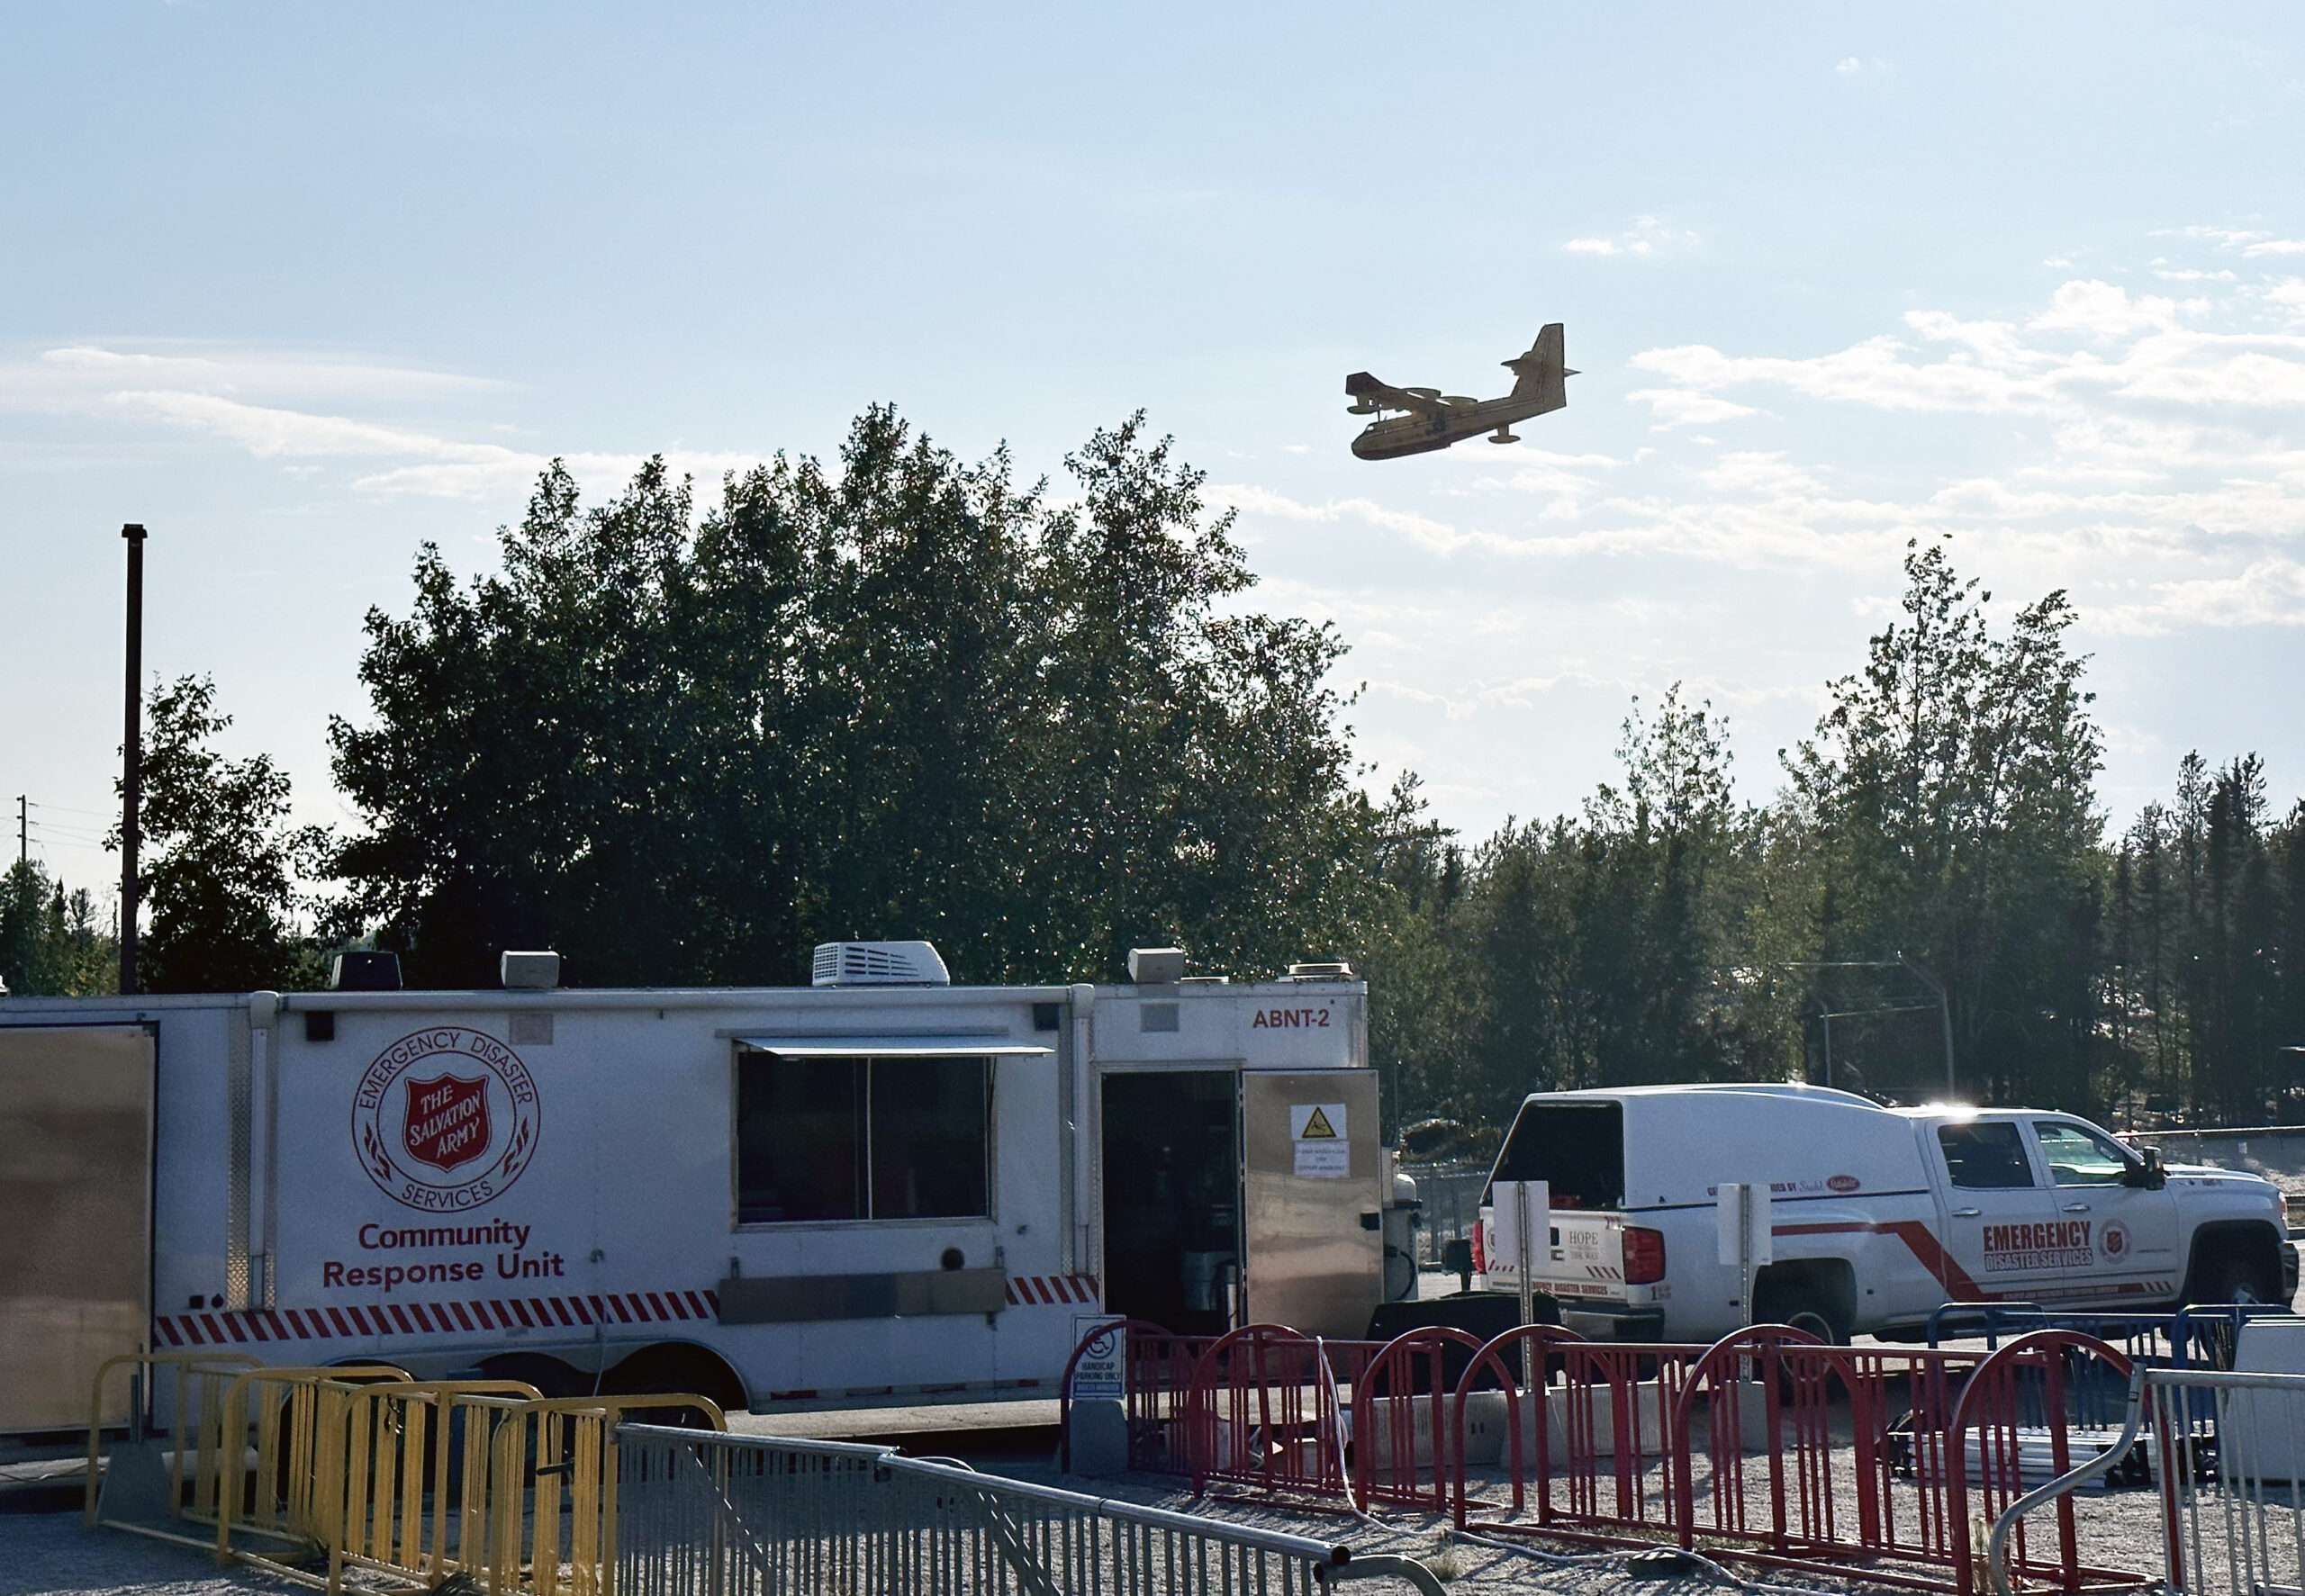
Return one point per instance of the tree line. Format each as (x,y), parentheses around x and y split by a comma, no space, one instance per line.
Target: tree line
(909,695)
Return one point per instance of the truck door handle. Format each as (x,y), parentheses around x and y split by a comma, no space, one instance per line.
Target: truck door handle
(2076,1207)
(1966,1212)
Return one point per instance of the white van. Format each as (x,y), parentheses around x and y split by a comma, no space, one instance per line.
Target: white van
(1875,1215)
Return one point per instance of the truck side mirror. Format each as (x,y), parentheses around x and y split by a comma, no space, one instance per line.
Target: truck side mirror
(2150,1175)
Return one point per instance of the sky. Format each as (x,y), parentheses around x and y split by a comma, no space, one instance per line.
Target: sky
(301,286)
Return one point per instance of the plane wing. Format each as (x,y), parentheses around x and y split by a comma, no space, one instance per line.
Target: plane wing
(1370,395)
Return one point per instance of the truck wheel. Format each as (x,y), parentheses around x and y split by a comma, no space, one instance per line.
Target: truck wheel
(2233,1274)
(1802,1307)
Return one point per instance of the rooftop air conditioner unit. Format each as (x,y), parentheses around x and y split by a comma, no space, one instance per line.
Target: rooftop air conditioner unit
(878,964)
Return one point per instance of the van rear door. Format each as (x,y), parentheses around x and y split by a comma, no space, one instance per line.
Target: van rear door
(1577,1149)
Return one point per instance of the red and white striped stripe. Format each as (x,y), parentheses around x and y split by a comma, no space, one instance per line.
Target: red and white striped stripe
(489,1316)
(474,1317)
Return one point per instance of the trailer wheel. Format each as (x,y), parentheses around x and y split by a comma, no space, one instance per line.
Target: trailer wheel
(670,1367)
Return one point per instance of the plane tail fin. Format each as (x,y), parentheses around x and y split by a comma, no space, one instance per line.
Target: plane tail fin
(1543,371)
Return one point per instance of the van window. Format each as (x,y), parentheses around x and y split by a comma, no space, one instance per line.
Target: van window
(1576,1147)
(2079,1157)
(1987,1156)
(833,1138)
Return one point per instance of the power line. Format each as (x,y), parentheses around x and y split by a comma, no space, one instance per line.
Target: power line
(69,809)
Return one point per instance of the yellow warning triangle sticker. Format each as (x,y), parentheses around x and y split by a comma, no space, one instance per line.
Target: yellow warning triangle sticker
(1318,1126)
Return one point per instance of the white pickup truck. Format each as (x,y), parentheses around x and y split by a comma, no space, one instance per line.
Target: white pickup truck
(1875,1215)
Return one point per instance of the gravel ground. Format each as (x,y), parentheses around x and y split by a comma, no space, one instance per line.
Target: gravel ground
(50,1555)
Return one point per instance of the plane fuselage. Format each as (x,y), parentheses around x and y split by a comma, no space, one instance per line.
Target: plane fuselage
(1395,436)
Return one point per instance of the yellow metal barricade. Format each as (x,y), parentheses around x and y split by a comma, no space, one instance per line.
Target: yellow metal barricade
(192,1412)
(556,1459)
(404,1477)
(418,1479)
(271,1489)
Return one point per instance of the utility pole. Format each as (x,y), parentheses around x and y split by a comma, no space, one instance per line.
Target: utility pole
(131,784)
(23,833)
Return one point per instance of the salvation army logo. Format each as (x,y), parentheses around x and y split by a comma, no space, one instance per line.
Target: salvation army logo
(446,1119)
(446,1123)
(2114,1239)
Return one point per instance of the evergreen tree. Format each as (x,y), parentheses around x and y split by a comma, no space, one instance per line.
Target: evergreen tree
(222,871)
(50,942)
(1950,786)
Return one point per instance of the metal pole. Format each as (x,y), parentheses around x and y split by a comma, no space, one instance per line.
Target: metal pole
(1827,1017)
(1528,1280)
(1944,1023)
(1944,1017)
(131,784)
(24,845)
(1744,1247)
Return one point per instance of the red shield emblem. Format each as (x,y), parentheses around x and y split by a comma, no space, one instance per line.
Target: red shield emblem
(448,1121)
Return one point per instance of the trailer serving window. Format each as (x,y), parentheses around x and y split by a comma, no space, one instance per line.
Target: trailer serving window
(864,1128)
(1578,1148)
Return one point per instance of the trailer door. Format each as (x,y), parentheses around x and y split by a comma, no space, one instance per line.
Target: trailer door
(76,1118)
(1313,1236)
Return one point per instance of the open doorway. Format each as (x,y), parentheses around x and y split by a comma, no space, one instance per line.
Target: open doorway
(1172,1197)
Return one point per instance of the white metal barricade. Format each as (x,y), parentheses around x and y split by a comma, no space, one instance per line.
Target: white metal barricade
(2227,1452)
(740,1515)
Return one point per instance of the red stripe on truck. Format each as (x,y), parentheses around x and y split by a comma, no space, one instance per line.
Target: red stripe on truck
(1919,1238)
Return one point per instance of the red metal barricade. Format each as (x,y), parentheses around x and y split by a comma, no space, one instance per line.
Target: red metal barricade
(1781,1450)
(1801,1454)
(2011,1431)
(1401,1429)
(1266,1411)
(1588,1450)
(1504,1365)
(1156,1375)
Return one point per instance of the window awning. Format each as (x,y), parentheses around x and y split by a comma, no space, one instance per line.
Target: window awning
(892,1047)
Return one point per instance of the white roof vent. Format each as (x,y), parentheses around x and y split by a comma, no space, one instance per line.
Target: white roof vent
(878,964)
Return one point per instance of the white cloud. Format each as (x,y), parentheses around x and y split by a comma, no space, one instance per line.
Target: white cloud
(1997,368)
(2269,592)
(1849,64)
(2104,310)
(2251,245)
(222,395)
(268,432)
(1647,236)
(1684,407)
(81,371)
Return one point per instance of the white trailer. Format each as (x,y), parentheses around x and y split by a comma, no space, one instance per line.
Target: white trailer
(879,1186)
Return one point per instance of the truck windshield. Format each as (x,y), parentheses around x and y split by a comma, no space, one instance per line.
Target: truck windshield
(1577,1148)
